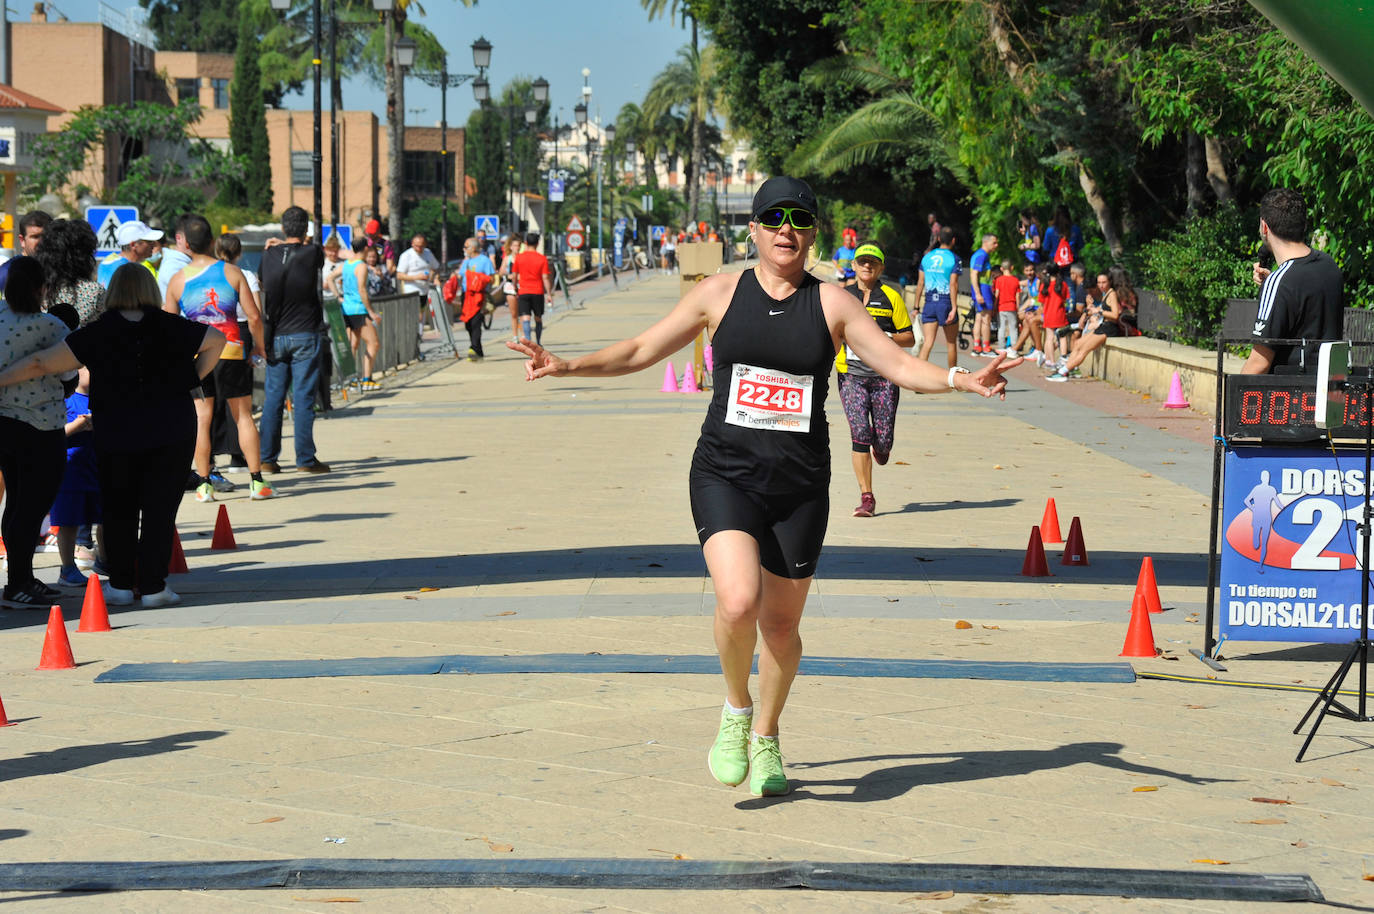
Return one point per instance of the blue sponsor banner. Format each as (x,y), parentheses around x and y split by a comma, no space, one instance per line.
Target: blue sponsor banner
(619,235)
(1290,548)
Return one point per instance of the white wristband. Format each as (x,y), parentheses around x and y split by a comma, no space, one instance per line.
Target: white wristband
(952,372)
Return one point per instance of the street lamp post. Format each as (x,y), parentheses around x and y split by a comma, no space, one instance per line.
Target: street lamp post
(481,59)
(316,156)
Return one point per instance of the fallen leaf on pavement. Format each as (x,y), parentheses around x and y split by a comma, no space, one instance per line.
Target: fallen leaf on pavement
(998,466)
(268,819)
(1263,822)
(1197,707)
(342,899)
(933,896)
(410,596)
(1331,783)
(995,628)
(1148,788)
(901,463)
(1213,862)
(428,589)
(508,612)
(962,624)
(1298,843)
(499,848)
(1271,800)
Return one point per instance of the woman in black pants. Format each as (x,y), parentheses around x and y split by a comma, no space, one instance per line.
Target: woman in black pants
(144,364)
(32,442)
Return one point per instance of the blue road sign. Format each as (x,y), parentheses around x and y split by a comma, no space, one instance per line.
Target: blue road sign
(555,190)
(489,224)
(105,222)
(656,232)
(345,235)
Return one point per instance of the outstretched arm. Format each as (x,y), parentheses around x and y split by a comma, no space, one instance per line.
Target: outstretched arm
(678,328)
(862,334)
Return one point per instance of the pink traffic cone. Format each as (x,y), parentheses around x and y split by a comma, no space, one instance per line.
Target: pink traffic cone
(1176,400)
(689,381)
(707,358)
(669,380)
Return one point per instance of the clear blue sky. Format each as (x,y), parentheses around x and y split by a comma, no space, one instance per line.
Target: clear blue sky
(550,38)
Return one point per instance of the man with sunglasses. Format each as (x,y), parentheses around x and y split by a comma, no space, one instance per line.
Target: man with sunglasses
(760,476)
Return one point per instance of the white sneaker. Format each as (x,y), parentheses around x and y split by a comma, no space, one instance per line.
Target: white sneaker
(164,597)
(115,596)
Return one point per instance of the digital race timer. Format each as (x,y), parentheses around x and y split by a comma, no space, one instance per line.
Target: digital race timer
(1283,408)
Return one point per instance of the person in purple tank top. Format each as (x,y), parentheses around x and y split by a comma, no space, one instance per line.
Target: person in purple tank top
(760,476)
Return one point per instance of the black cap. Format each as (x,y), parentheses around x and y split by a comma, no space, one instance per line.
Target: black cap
(780,190)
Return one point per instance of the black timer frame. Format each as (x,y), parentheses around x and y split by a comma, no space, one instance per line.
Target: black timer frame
(1327,699)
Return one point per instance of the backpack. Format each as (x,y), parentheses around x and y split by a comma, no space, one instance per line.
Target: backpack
(1063,253)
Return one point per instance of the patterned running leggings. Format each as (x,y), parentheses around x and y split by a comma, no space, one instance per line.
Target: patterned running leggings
(870,405)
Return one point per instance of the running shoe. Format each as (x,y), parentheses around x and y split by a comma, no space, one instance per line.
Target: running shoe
(880,457)
(369,384)
(220,483)
(205,492)
(164,597)
(766,778)
(71,578)
(47,543)
(85,557)
(115,596)
(729,755)
(1057,377)
(261,490)
(34,595)
(867,505)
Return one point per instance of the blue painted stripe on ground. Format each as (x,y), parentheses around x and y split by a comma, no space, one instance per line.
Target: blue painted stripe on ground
(599,664)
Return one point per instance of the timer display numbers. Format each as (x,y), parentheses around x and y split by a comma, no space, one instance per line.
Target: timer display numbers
(1283,408)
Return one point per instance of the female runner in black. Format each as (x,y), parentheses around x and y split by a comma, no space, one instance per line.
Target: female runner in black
(761,472)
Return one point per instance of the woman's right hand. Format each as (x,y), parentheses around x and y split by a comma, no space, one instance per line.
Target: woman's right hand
(542,363)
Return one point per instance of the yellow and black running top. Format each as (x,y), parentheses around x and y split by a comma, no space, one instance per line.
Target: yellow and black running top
(885,306)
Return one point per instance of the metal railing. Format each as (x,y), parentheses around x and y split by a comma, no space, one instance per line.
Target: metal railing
(397,330)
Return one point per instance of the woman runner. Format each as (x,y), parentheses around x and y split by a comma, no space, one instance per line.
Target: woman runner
(761,472)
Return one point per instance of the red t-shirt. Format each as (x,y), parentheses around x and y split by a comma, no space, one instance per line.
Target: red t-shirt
(1052,298)
(530,269)
(1007,289)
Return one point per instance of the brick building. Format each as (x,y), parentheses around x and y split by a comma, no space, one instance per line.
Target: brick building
(71,64)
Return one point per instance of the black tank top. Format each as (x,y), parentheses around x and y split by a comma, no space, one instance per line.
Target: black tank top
(765,430)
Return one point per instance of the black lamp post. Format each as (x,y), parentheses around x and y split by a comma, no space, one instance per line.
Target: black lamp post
(481,59)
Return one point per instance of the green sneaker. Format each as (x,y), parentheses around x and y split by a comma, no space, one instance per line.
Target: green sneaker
(729,755)
(765,768)
(205,492)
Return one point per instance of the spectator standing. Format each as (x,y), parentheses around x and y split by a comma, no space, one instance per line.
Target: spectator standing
(935,228)
(67,253)
(1054,295)
(1029,227)
(980,288)
(333,269)
(386,252)
(212,292)
(379,281)
(506,276)
(844,256)
(667,253)
(135,240)
(416,270)
(173,258)
(1063,239)
(935,290)
(294,318)
(143,364)
(359,317)
(32,440)
(1006,289)
(29,232)
(1300,298)
(534,283)
(485,246)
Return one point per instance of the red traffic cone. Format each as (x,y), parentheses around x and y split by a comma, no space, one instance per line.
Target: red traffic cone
(1176,400)
(224,534)
(1035,565)
(94,616)
(178,563)
(669,380)
(4,721)
(1074,551)
(1049,524)
(1145,585)
(1140,638)
(57,650)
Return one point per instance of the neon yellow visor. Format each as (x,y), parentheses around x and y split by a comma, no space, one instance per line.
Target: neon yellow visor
(870,250)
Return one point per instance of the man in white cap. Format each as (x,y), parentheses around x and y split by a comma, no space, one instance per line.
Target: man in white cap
(135,240)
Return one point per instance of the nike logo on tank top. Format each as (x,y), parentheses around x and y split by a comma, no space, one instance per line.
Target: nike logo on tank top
(765,429)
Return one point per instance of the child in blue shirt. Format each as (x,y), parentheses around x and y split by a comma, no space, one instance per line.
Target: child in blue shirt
(78,500)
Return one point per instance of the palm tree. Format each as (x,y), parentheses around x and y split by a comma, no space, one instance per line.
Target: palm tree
(687,84)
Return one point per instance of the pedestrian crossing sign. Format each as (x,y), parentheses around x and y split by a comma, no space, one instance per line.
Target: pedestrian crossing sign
(490,225)
(105,222)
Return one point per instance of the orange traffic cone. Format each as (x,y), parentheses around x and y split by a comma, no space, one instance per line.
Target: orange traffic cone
(4,721)
(1035,565)
(1074,551)
(1049,525)
(1145,585)
(669,380)
(178,563)
(94,616)
(57,650)
(224,534)
(1140,638)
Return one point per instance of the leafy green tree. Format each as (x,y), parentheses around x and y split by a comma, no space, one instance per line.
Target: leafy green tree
(248,129)
(194,25)
(484,161)
(166,170)
(688,84)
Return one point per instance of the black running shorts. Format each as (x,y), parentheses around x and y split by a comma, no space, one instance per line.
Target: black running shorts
(788,528)
(229,379)
(530,304)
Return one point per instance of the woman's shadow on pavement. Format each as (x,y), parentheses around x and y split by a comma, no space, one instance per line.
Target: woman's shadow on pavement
(951,767)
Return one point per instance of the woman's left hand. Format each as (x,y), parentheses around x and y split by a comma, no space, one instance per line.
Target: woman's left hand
(988,381)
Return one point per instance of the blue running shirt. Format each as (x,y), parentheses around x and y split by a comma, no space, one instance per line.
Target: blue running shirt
(208,298)
(940,266)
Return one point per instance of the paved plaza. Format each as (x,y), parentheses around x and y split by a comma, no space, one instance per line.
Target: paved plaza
(472,513)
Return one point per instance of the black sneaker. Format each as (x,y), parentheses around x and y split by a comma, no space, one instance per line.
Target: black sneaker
(220,483)
(36,595)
